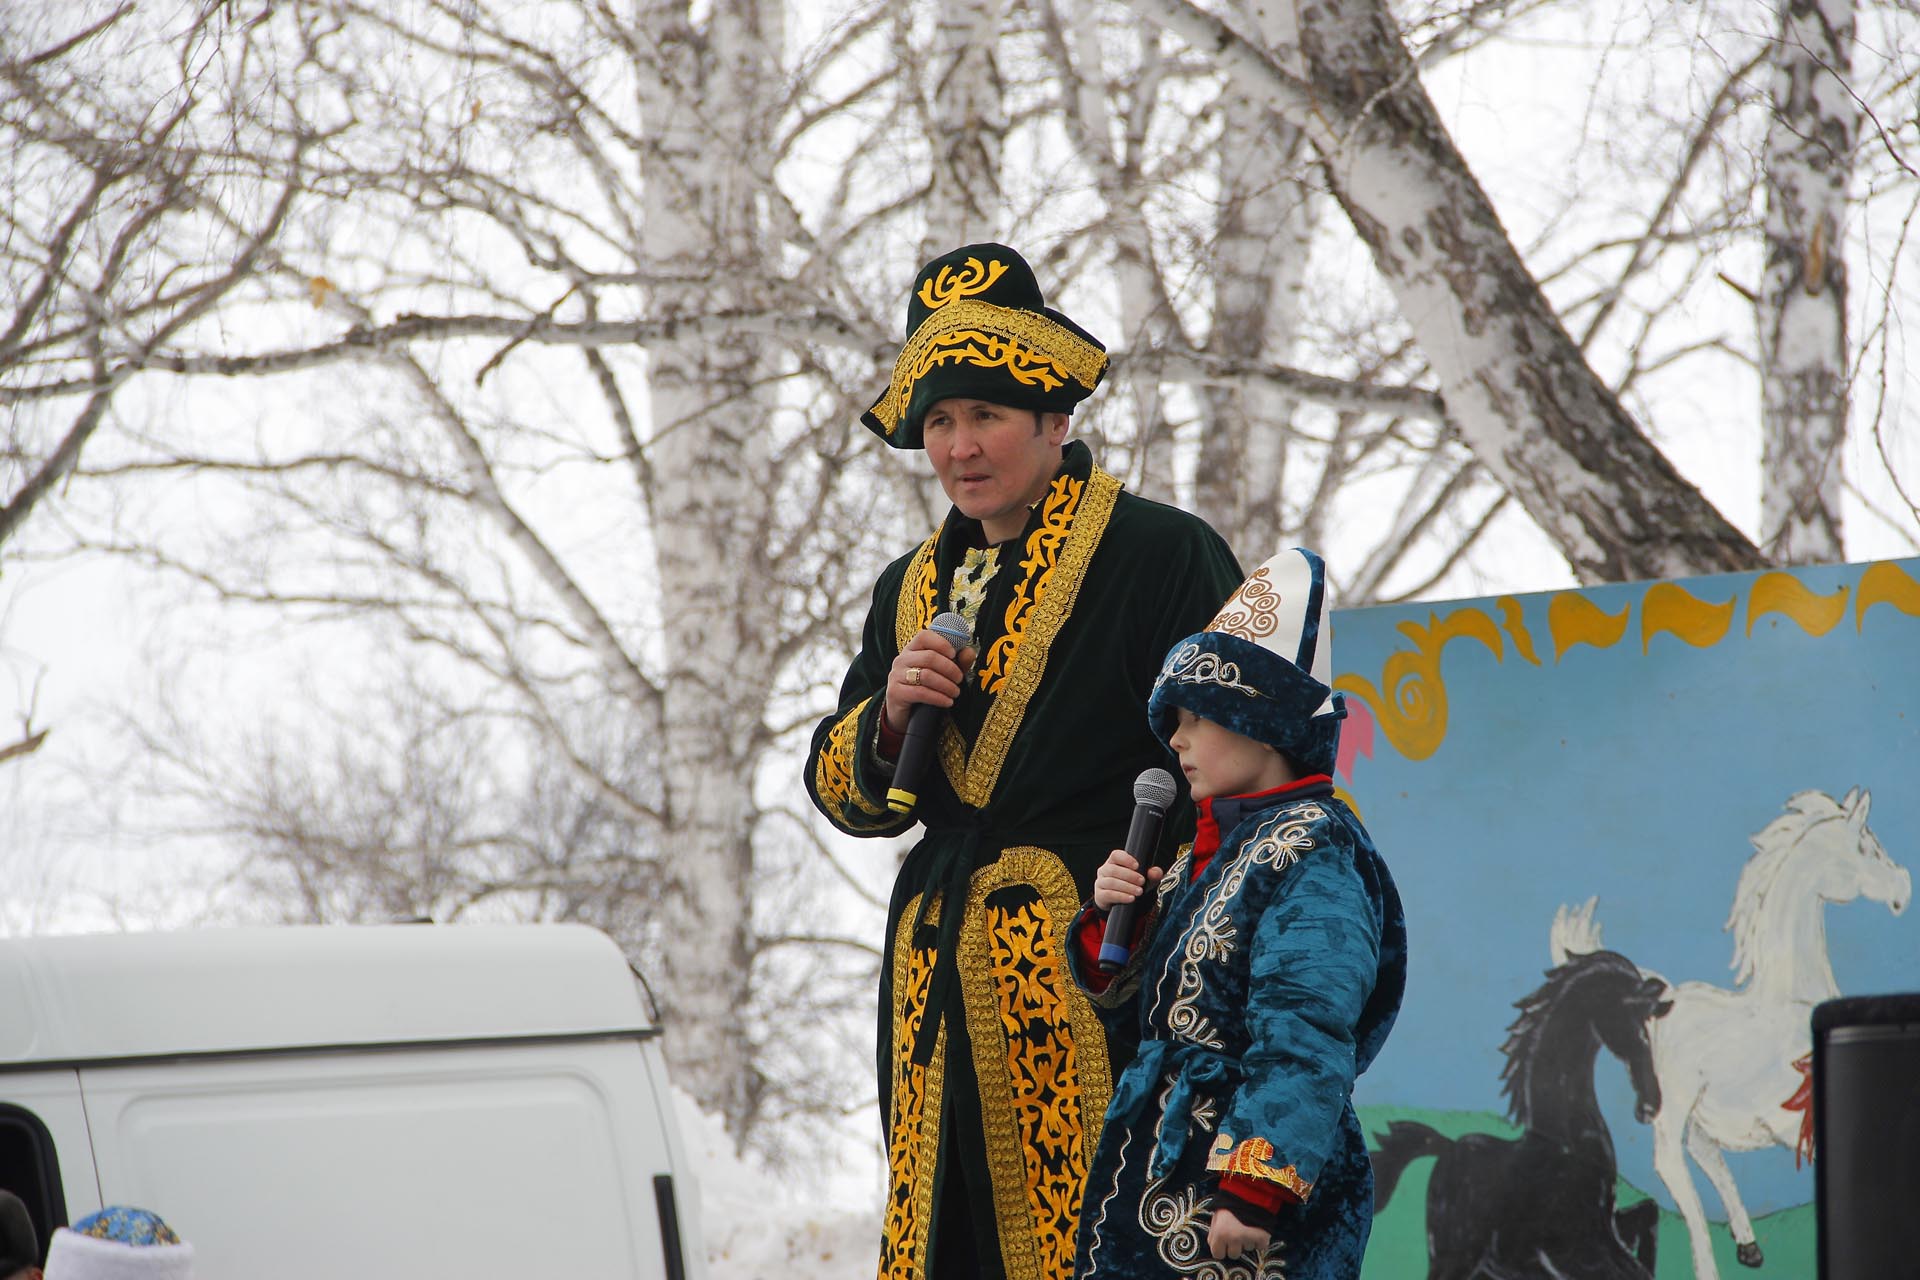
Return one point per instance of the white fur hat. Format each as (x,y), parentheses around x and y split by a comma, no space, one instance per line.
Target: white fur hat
(119,1243)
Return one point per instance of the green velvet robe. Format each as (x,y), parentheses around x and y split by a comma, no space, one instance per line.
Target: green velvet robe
(994,1068)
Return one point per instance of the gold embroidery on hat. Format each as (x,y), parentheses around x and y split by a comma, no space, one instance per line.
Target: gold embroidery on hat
(950,286)
(1036,350)
(1253,612)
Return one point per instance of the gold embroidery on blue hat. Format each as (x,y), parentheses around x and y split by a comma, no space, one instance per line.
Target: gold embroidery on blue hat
(951,286)
(1253,611)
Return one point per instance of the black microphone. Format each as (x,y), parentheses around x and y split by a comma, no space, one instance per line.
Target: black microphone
(1152,793)
(923,725)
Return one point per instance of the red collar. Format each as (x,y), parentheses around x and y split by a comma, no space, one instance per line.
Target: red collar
(1206,832)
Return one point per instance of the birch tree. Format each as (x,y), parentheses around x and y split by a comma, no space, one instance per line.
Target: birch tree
(1802,308)
(1264,237)
(1525,400)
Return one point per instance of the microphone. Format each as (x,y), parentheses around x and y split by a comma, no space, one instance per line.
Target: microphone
(1152,793)
(923,725)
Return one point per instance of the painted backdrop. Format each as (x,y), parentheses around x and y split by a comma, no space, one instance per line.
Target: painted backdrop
(1639,831)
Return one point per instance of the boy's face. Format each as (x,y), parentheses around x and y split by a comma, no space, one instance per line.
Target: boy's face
(1220,762)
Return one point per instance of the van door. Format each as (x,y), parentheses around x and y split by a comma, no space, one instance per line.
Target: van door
(45,1155)
(488,1161)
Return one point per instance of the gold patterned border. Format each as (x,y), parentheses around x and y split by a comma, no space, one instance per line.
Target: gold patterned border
(913,1133)
(833,776)
(1027,1098)
(1043,552)
(919,593)
(975,775)
(1410,704)
(1021,340)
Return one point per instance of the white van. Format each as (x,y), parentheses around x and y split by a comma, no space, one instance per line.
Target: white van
(308,1103)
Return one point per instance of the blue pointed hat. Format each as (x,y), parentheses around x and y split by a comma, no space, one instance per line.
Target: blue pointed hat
(1263,667)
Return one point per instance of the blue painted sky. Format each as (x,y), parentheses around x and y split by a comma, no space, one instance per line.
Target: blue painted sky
(1637,777)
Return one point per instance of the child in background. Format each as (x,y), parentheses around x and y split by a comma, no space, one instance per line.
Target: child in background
(119,1243)
(1268,971)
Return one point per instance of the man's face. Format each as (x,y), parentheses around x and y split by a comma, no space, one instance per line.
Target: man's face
(994,462)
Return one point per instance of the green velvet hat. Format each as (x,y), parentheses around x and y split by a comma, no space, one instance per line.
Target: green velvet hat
(979,327)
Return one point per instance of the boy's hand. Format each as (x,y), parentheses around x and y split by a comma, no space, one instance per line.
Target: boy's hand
(1229,1237)
(1119,880)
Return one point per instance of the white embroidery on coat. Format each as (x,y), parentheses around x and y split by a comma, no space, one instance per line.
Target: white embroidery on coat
(1212,936)
(1178,1221)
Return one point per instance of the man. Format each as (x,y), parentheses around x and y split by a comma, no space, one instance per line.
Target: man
(19,1243)
(994,1069)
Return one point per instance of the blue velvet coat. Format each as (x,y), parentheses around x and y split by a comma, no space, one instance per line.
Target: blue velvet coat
(1265,986)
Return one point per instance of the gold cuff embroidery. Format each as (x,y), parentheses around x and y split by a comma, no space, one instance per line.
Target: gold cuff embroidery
(833,774)
(1249,1160)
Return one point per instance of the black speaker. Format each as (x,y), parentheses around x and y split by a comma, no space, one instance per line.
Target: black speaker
(1866,1136)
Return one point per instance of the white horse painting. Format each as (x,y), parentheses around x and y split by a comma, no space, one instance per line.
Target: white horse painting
(1726,1059)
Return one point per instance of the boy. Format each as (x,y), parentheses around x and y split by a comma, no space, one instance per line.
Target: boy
(1268,971)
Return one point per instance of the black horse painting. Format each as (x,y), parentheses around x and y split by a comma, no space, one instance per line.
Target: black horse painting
(1542,1205)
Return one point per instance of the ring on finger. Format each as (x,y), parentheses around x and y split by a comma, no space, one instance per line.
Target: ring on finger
(913,676)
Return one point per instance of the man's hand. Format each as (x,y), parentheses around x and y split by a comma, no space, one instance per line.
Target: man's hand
(1229,1237)
(927,670)
(1120,880)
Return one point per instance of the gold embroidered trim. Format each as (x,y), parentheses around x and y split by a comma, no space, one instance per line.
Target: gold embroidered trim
(1037,351)
(950,286)
(1039,1053)
(913,1137)
(974,775)
(1043,549)
(1249,1160)
(919,596)
(833,776)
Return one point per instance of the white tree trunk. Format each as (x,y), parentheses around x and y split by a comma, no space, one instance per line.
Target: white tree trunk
(709,454)
(1262,240)
(967,125)
(1114,155)
(1525,400)
(1803,295)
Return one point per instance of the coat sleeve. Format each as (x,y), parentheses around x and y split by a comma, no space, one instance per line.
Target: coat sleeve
(1315,955)
(844,773)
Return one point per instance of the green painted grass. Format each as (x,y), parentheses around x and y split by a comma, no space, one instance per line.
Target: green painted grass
(1397,1249)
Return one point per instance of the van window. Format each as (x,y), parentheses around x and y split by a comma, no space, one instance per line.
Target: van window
(29,1169)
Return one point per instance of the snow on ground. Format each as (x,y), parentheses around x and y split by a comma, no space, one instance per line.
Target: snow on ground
(760,1226)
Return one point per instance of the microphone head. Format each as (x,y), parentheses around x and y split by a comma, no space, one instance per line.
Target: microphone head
(1154,788)
(952,628)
